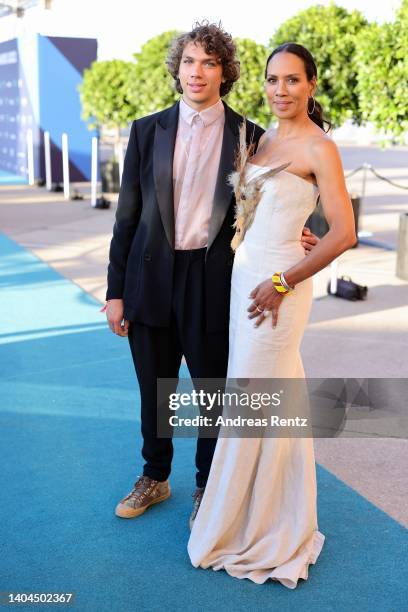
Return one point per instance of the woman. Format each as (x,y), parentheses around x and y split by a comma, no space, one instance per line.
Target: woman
(258,517)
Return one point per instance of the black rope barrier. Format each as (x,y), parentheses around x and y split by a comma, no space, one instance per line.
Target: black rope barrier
(379,176)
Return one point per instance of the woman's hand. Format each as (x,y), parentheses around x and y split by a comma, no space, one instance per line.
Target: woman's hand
(266,300)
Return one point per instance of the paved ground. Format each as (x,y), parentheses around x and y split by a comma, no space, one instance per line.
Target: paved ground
(343,339)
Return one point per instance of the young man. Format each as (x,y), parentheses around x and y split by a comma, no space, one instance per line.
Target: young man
(170,258)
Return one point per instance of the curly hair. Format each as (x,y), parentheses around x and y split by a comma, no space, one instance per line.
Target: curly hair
(215,41)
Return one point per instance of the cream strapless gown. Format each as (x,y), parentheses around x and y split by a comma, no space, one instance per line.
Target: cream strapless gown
(258,516)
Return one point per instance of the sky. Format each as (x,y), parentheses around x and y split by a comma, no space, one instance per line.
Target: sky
(123,26)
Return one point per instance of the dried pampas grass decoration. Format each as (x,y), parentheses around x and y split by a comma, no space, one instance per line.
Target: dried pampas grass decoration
(247,193)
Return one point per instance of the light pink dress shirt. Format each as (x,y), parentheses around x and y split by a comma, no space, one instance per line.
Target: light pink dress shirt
(195,167)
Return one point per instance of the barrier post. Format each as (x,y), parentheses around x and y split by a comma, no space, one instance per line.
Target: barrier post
(47,156)
(65,165)
(119,154)
(94,170)
(30,156)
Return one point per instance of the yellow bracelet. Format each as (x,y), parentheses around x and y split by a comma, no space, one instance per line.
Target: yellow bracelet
(277,283)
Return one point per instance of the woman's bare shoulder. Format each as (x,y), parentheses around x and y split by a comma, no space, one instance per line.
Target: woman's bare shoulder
(322,144)
(324,156)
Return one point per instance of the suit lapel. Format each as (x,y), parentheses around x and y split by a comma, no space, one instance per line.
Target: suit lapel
(163,154)
(223,192)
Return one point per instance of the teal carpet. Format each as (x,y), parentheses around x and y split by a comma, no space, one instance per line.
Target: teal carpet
(70,448)
(12,179)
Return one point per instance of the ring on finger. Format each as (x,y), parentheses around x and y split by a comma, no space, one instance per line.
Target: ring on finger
(259,309)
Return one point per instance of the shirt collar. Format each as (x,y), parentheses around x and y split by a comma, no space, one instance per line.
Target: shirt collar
(207,116)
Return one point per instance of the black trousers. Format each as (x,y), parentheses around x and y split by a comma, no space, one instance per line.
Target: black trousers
(157,353)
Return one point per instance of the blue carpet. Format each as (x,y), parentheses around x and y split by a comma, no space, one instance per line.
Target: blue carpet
(70,448)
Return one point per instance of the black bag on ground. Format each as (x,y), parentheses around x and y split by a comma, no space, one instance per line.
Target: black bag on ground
(348,289)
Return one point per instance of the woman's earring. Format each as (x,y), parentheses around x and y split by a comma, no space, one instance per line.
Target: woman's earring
(314,106)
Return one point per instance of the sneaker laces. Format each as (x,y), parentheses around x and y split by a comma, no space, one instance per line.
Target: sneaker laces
(197,493)
(139,486)
(197,497)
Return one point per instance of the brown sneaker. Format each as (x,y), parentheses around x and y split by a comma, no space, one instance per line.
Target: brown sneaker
(197,497)
(145,493)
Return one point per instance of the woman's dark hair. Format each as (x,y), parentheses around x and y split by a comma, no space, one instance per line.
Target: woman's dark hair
(215,41)
(311,71)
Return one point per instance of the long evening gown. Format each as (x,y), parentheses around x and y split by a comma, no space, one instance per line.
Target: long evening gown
(258,517)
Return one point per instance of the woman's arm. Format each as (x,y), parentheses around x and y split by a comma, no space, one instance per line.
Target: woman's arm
(327,167)
(328,170)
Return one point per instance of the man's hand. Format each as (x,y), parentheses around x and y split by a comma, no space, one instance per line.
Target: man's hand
(114,315)
(308,240)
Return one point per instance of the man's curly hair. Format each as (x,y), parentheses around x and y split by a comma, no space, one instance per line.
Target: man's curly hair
(214,41)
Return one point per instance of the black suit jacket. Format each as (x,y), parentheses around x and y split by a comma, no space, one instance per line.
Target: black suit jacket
(141,257)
